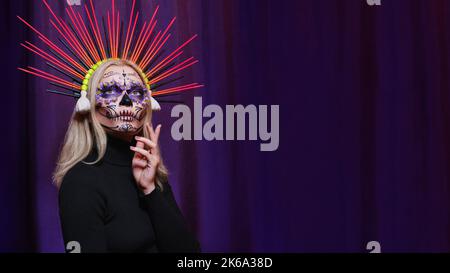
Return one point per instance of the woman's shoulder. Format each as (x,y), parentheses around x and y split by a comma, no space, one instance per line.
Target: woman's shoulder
(81,177)
(81,189)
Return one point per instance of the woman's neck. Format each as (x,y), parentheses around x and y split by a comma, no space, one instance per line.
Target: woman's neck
(123,136)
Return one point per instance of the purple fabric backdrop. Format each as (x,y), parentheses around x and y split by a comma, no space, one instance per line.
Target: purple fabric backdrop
(364,126)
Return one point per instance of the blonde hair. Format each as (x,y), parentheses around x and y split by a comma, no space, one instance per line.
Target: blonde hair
(85,132)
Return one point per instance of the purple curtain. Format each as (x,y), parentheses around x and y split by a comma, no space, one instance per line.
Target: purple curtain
(364,126)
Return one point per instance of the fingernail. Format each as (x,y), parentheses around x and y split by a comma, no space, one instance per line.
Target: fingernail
(137,137)
(131,148)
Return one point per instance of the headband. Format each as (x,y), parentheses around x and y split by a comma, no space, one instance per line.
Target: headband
(81,48)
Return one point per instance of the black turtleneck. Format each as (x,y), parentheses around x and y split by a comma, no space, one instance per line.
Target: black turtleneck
(103,210)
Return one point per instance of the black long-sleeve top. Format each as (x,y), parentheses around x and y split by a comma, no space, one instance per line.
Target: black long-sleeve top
(103,210)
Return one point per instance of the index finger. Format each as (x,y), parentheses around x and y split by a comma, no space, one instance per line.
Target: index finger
(149,129)
(154,134)
(158,130)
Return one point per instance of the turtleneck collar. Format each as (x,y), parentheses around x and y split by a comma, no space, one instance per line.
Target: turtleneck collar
(118,151)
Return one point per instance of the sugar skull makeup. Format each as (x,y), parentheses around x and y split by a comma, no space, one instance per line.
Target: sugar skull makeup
(122,100)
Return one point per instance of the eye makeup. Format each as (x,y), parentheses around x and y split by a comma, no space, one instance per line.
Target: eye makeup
(112,90)
(137,92)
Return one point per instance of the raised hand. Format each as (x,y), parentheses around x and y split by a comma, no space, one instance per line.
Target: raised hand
(146,159)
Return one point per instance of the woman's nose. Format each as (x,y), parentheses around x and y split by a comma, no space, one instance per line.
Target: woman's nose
(126,101)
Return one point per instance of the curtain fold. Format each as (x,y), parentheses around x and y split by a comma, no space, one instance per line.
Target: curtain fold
(364,150)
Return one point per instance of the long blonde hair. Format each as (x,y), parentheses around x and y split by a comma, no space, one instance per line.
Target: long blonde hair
(85,132)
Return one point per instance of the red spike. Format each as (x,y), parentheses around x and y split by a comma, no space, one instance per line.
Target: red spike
(51,59)
(117,34)
(170,70)
(113,23)
(63,26)
(125,53)
(66,57)
(109,31)
(141,36)
(154,14)
(76,44)
(97,39)
(169,26)
(156,50)
(81,34)
(152,23)
(130,22)
(177,89)
(69,41)
(149,52)
(50,9)
(149,57)
(174,70)
(49,77)
(164,62)
(30,26)
(133,51)
(89,38)
(84,45)
(50,43)
(98,30)
(144,42)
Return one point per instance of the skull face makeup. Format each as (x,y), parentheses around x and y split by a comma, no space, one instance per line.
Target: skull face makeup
(122,100)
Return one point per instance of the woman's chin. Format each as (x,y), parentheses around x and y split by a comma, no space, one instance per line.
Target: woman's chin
(123,128)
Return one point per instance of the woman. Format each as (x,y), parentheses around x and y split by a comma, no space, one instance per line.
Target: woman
(113,190)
